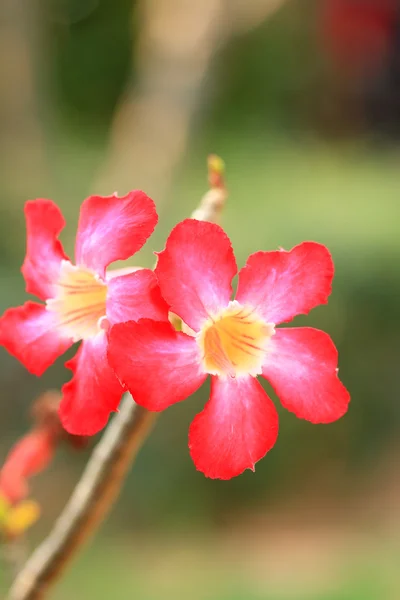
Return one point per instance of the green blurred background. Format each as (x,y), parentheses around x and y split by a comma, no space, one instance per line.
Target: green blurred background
(302,100)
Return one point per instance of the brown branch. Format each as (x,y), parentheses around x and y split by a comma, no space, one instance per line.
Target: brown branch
(89,503)
(105,472)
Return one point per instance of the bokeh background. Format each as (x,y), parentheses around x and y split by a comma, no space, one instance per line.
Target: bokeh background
(302,100)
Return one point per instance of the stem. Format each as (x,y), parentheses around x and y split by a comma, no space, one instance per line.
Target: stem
(90,502)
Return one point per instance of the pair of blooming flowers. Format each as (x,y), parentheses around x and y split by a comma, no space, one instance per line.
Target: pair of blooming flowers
(122,319)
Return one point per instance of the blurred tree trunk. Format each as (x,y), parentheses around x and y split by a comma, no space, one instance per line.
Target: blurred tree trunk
(248,14)
(23,159)
(178,40)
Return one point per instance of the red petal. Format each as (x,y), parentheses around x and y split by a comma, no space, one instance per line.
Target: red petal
(195,271)
(112,228)
(237,427)
(135,296)
(301,366)
(29,456)
(159,366)
(44,252)
(29,333)
(93,392)
(284,284)
(13,486)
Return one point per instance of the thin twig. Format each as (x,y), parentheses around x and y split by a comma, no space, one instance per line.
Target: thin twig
(105,472)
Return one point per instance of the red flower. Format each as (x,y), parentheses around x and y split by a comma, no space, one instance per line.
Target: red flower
(82,301)
(233,341)
(29,456)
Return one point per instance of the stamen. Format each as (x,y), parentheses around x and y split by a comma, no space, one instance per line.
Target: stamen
(235,341)
(80,302)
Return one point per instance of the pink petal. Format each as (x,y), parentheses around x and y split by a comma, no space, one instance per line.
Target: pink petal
(195,271)
(44,252)
(93,392)
(29,333)
(301,365)
(159,366)
(281,285)
(135,296)
(112,228)
(237,427)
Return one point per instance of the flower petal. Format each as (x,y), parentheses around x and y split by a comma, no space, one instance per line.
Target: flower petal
(281,285)
(195,271)
(112,228)
(301,366)
(29,333)
(237,427)
(135,296)
(13,486)
(30,455)
(93,392)
(159,366)
(44,251)
(111,273)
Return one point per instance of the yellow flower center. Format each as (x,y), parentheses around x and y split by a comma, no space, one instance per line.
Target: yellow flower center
(235,341)
(80,302)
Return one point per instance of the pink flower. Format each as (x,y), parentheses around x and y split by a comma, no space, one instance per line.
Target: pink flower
(234,342)
(82,301)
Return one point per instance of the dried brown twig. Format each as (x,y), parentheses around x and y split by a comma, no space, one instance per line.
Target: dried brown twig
(106,470)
